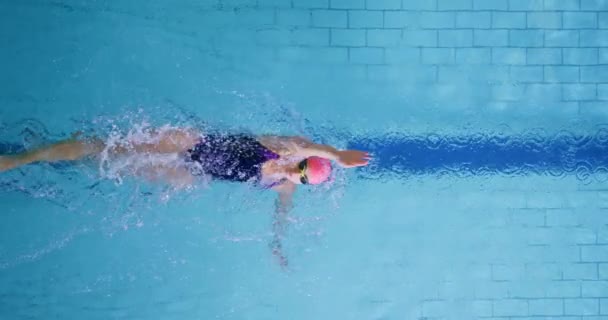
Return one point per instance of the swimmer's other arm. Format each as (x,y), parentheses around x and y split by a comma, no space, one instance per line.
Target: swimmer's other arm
(282,206)
(304,148)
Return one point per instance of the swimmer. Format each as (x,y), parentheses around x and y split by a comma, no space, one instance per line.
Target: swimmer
(279,163)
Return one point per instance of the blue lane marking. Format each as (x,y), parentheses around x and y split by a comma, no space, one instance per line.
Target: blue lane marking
(480,155)
(10,148)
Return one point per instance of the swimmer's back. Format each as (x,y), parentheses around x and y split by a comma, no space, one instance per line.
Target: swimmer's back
(231,157)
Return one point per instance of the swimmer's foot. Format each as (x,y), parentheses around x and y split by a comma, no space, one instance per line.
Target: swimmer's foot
(9,162)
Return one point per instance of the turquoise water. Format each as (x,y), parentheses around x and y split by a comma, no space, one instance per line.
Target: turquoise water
(487,198)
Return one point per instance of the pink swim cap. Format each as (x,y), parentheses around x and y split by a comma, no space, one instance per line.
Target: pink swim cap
(318,170)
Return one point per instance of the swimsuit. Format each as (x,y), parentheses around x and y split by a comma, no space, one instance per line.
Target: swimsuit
(231,157)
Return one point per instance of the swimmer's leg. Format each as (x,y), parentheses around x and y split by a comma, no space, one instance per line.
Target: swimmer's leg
(71,149)
(176,176)
(169,141)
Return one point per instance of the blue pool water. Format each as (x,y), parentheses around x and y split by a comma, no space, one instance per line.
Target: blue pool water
(486,198)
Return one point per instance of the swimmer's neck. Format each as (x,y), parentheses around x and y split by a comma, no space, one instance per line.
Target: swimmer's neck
(284,169)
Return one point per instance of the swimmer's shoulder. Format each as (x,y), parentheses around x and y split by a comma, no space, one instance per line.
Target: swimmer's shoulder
(284,187)
(283,145)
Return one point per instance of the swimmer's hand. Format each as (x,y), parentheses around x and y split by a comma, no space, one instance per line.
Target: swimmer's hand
(281,259)
(352,158)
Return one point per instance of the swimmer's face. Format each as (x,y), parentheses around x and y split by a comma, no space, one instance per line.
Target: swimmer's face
(297,174)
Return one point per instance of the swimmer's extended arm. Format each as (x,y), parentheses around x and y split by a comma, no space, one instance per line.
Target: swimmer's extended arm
(282,206)
(75,148)
(304,148)
(70,149)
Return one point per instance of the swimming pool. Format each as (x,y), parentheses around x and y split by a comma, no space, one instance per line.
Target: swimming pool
(487,197)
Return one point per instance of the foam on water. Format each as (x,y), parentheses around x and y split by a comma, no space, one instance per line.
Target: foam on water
(116,167)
